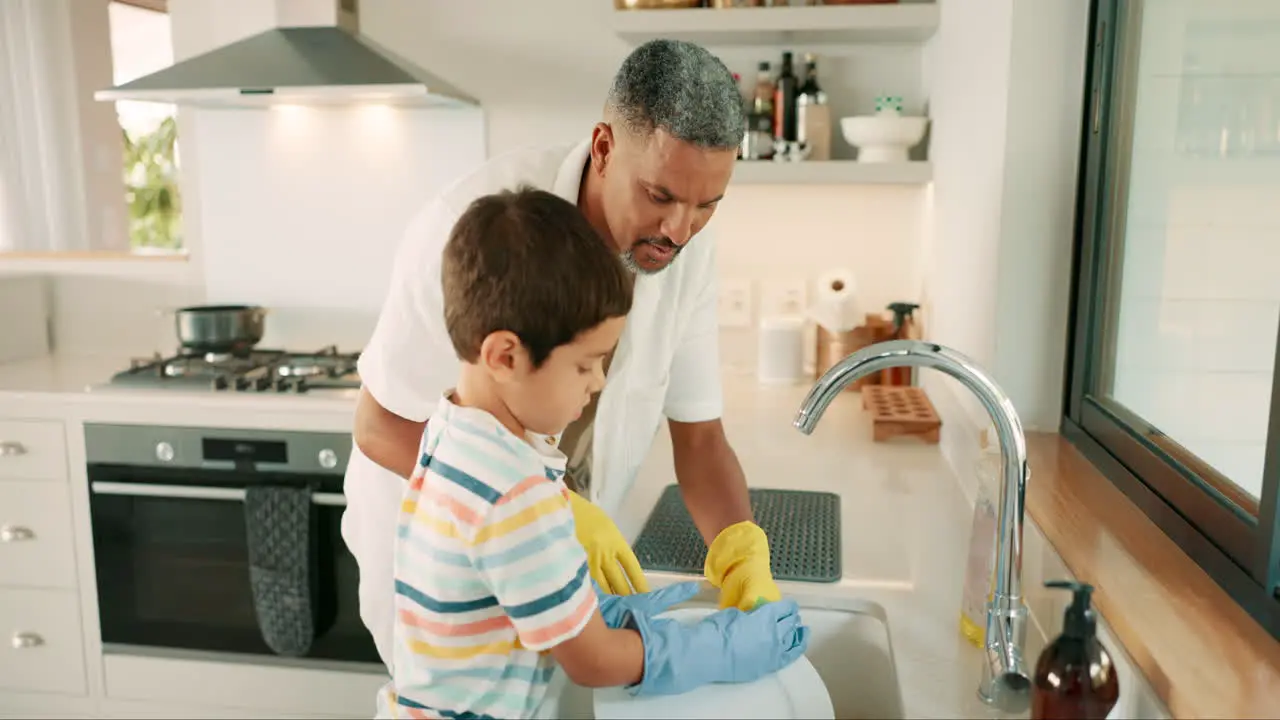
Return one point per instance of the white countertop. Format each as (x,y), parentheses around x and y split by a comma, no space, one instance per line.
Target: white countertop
(78,387)
(905,520)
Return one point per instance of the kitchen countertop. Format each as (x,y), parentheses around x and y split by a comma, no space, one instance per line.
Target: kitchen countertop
(900,502)
(904,525)
(905,519)
(77,386)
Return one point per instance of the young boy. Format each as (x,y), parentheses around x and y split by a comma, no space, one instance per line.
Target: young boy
(492,588)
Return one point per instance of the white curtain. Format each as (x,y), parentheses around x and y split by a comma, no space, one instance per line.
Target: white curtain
(42,203)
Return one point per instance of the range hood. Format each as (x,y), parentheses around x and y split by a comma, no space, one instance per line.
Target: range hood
(312,64)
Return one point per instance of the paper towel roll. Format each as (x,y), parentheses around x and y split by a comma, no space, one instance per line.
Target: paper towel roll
(835,304)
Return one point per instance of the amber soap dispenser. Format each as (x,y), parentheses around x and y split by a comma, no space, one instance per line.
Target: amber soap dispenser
(1075,677)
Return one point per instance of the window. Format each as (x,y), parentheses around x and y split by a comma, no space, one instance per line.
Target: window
(140,45)
(1173,388)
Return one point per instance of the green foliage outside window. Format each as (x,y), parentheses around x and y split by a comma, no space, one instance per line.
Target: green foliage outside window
(151,188)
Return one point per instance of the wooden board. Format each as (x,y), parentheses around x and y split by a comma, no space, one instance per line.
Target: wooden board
(898,411)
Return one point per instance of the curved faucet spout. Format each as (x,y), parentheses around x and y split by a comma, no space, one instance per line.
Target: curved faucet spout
(1006,683)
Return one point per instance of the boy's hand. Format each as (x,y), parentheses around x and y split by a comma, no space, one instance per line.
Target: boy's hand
(615,609)
(727,646)
(612,563)
(738,564)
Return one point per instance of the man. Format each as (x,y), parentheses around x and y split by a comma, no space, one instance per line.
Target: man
(648,181)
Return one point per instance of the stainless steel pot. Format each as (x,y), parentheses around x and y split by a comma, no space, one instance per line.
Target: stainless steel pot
(220,328)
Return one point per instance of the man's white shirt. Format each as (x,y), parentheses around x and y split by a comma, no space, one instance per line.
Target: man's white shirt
(666,363)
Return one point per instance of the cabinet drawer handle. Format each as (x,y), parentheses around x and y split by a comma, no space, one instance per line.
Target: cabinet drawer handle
(12,448)
(25,640)
(15,533)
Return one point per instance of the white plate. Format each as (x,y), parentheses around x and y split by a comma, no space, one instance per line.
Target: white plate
(795,692)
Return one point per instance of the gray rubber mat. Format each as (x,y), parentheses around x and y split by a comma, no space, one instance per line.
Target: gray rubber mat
(803,530)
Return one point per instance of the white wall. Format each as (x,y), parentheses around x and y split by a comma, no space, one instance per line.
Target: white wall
(967,71)
(992,236)
(303,207)
(1200,294)
(1007,93)
(540,71)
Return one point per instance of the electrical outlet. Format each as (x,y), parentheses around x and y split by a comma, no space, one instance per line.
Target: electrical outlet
(784,297)
(735,303)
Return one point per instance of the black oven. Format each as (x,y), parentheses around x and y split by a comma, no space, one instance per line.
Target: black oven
(171,539)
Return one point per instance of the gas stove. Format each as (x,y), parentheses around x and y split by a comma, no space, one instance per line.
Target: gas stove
(257,371)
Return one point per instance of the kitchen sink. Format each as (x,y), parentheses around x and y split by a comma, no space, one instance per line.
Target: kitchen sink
(850,647)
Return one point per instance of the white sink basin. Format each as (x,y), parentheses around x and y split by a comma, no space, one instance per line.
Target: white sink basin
(850,647)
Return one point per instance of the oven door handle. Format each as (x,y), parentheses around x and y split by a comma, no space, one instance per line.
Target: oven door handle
(194,492)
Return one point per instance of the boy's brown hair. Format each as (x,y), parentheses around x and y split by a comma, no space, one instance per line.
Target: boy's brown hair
(527,261)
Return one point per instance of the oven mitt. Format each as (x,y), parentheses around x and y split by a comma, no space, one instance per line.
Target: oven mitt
(738,564)
(609,556)
(281,565)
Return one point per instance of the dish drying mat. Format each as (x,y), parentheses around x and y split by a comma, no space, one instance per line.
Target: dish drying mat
(803,529)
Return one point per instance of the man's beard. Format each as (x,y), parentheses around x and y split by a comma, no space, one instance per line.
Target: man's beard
(628,256)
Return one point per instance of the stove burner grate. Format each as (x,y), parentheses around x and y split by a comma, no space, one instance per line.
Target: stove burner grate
(254,371)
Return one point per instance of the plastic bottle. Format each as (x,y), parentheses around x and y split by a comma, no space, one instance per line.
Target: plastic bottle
(979,578)
(903,329)
(1075,677)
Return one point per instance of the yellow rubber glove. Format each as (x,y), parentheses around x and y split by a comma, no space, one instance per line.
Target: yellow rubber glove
(613,565)
(738,564)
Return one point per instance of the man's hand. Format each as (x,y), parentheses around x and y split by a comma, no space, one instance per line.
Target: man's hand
(738,564)
(613,565)
(715,491)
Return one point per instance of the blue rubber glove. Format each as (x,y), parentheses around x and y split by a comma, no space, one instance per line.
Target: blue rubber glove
(614,609)
(728,646)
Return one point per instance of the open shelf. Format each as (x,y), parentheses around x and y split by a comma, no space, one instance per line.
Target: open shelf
(167,267)
(883,23)
(831,172)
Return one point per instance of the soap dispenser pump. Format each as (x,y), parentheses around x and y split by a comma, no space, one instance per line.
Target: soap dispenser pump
(1075,677)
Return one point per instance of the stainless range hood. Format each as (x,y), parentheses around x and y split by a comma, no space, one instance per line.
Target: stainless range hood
(317,64)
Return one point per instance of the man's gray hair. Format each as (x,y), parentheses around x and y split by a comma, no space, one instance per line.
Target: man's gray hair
(681,88)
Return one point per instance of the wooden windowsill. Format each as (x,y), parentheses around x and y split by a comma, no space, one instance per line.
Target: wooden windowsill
(1201,653)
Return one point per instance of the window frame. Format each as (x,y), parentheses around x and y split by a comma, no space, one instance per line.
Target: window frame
(1188,500)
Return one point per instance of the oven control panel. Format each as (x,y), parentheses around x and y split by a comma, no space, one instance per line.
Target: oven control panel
(217,448)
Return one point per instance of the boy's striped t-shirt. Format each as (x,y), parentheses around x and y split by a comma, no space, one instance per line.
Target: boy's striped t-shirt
(488,572)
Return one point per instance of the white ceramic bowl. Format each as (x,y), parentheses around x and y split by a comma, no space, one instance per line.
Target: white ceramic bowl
(883,138)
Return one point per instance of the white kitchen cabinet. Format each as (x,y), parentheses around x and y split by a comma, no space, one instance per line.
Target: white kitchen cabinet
(32,450)
(37,541)
(41,634)
(129,710)
(42,648)
(254,688)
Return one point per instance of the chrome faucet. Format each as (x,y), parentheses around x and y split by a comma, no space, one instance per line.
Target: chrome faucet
(1006,684)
